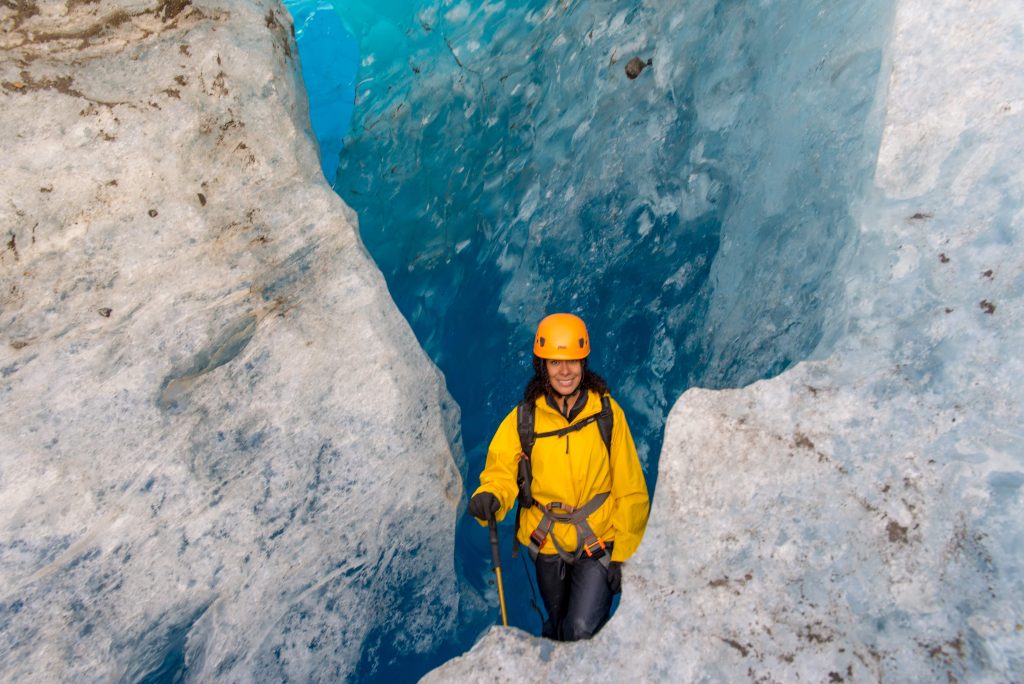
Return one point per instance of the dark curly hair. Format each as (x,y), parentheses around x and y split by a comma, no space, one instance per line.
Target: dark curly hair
(539,383)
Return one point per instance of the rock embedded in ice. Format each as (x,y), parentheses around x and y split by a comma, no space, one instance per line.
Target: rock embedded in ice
(635,66)
(857,518)
(222,451)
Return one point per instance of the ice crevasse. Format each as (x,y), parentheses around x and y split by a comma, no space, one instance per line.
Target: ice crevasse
(787,182)
(225,456)
(503,164)
(858,516)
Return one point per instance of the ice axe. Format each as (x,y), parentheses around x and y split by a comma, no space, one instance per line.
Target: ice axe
(496,560)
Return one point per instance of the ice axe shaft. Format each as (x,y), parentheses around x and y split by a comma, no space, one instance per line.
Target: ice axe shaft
(496,559)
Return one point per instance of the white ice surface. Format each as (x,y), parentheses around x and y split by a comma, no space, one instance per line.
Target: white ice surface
(857,518)
(219,440)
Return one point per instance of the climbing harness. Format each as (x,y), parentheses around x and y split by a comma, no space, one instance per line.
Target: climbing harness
(589,543)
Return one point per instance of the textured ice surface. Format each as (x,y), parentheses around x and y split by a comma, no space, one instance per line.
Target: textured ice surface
(503,165)
(857,518)
(222,454)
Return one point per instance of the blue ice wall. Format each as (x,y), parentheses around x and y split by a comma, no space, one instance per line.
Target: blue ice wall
(504,165)
(330,60)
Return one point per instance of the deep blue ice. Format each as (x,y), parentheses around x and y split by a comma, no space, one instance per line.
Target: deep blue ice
(503,166)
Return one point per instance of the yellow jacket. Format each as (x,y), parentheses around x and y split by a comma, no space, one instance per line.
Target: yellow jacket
(572,470)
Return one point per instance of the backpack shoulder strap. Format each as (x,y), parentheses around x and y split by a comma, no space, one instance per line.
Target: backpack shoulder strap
(524,469)
(524,425)
(605,422)
(604,419)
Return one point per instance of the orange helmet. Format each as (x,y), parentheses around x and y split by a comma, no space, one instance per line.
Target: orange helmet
(562,336)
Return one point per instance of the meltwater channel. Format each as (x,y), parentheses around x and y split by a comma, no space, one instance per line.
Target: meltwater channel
(504,164)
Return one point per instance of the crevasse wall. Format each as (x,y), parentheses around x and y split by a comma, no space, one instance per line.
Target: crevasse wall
(503,165)
(212,467)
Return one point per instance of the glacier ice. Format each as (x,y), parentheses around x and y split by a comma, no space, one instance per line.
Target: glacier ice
(504,165)
(671,210)
(199,478)
(787,181)
(857,517)
(223,456)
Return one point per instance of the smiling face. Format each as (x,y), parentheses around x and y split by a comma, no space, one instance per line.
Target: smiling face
(564,376)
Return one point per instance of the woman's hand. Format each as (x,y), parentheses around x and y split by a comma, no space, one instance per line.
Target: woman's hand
(483,505)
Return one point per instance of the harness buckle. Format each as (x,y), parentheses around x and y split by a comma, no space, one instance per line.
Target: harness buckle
(595,547)
(538,538)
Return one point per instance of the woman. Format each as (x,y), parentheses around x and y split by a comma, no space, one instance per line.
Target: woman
(581,474)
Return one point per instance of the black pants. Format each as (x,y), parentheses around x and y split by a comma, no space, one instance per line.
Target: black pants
(576,596)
